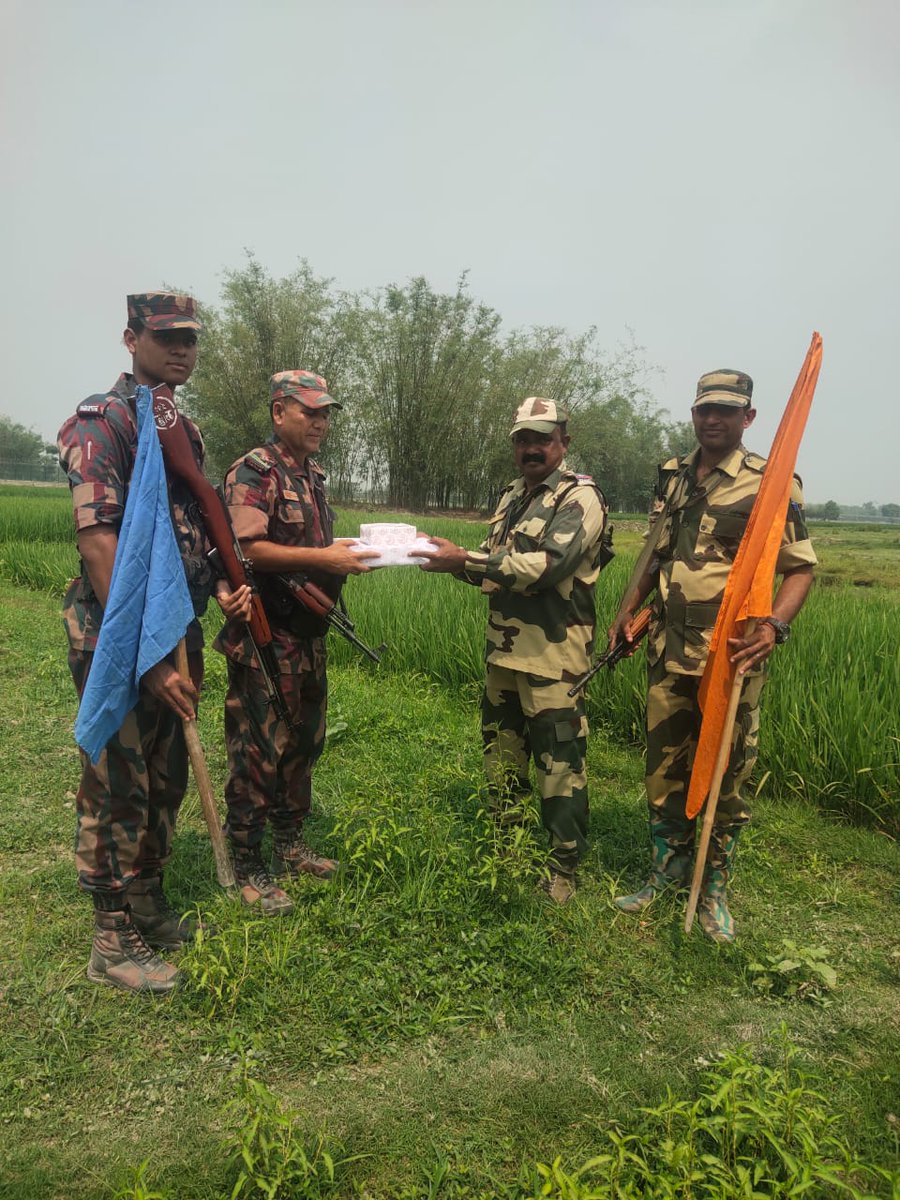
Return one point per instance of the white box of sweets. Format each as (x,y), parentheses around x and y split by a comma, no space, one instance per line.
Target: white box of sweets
(394,542)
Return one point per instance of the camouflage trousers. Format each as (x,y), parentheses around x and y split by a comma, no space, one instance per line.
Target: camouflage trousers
(270,764)
(128,803)
(525,716)
(673,727)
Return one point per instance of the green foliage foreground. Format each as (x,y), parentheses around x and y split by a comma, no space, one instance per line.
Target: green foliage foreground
(428,1023)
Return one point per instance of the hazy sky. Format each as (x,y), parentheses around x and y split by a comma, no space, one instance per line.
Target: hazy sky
(718,177)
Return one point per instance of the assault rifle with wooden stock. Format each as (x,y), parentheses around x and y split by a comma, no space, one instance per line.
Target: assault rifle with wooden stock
(179,459)
(622,649)
(297,589)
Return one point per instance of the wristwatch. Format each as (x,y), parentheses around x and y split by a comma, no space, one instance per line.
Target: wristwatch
(782,629)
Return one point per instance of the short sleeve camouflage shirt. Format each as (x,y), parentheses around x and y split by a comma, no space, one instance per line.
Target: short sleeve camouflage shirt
(704,526)
(97,447)
(538,566)
(265,504)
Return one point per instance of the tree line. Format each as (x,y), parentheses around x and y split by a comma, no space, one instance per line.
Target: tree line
(25,455)
(870,511)
(429,382)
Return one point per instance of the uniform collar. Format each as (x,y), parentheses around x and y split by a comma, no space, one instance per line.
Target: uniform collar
(310,467)
(124,387)
(730,464)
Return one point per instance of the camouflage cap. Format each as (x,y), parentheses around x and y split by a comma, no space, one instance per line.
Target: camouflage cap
(539,414)
(309,389)
(733,388)
(164,310)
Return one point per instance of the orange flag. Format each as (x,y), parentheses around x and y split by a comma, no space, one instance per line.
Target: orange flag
(748,592)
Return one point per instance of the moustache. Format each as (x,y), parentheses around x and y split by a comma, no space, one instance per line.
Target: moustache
(532,458)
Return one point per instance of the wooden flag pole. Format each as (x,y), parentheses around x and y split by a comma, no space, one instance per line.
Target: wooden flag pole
(715,786)
(224,869)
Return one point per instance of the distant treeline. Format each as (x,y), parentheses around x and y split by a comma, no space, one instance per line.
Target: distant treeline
(832,511)
(429,381)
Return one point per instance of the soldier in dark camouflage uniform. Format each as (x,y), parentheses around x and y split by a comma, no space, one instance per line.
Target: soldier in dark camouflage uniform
(276,498)
(704,501)
(127,803)
(538,567)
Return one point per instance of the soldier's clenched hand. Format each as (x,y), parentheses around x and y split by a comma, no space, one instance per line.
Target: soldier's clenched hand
(236,603)
(751,651)
(164,682)
(620,630)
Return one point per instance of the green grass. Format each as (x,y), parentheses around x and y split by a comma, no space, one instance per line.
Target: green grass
(831,721)
(864,556)
(427,1015)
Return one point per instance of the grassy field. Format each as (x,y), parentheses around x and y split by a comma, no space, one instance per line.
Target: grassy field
(831,721)
(426,1026)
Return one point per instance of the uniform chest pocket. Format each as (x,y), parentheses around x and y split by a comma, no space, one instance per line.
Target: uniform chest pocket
(290,511)
(291,517)
(720,535)
(525,543)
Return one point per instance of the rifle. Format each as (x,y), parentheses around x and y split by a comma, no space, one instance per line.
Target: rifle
(622,649)
(179,459)
(304,592)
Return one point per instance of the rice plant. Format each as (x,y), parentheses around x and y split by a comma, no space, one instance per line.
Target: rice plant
(830,725)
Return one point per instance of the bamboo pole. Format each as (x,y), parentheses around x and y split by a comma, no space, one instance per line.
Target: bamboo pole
(715,786)
(224,869)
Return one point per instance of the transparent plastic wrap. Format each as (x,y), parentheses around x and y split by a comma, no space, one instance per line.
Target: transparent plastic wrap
(395,544)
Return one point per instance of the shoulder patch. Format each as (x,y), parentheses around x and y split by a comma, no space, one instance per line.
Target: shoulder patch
(94,406)
(259,462)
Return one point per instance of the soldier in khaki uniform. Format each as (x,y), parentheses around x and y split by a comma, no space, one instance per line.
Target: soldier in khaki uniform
(276,500)
(704,501)
(128,803)
(538,567)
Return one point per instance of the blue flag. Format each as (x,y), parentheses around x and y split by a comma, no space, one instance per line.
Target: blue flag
(149,605)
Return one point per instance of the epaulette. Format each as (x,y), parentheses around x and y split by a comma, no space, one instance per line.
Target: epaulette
(578,480)
(755,462)
(664,475)
(259,462)
(94,406)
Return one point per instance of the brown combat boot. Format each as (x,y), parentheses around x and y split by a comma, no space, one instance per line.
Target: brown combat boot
(160,925)
(559,887)
(256,884)
(121,957)
(292,856)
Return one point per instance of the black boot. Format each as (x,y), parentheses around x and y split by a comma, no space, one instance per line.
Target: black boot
(159,923)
